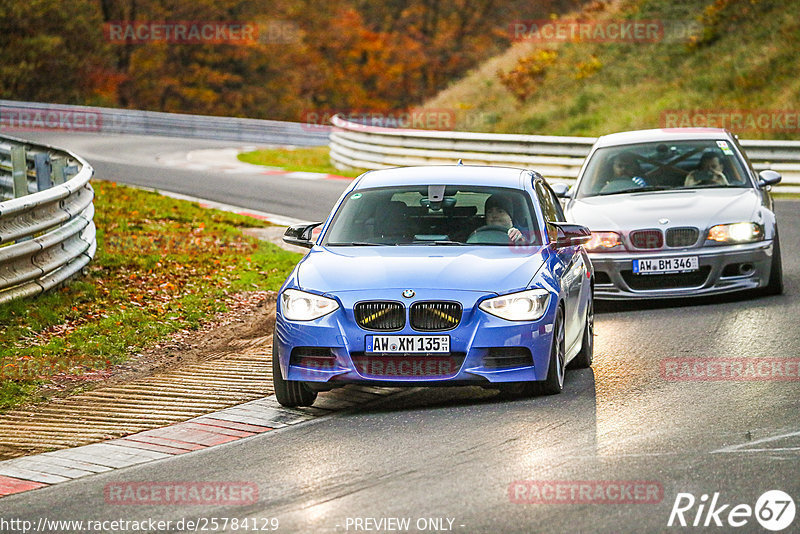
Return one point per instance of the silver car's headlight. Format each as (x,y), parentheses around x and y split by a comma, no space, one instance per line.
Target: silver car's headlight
(301,306)
(743,232)
(604,242)
(523,306)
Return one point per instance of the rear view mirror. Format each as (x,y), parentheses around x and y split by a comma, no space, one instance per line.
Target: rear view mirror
(570,235)
(300,235)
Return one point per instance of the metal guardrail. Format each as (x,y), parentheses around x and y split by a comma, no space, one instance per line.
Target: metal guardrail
(26,116)
(47,234)
(354,145)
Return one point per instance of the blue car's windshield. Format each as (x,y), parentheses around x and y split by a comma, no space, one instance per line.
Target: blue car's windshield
(661,166)
(434,215)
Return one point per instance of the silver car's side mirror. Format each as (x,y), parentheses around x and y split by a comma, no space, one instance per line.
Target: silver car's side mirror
(768,177)
(561,190)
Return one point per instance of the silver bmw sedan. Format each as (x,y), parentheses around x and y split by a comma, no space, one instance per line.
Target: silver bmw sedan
(674,213)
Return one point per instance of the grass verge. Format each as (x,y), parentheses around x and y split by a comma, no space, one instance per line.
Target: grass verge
(162,265)
(308,159)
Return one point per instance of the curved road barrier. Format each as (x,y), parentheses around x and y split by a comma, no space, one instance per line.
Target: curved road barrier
(27,116)
(46,230)
(355,145)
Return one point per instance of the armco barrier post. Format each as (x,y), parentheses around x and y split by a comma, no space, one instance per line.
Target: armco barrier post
(19,171)
(59,174)
(43,170)
(50,235)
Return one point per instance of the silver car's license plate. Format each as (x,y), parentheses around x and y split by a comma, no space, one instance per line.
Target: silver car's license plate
(408,344)
(666,265)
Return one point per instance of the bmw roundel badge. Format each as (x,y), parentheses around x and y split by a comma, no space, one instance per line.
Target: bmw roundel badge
(408,293)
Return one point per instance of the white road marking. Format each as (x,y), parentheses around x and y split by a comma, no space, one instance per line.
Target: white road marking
(744,447)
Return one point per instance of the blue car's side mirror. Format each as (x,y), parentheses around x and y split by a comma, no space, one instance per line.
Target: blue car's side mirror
(570,235)
(300,235)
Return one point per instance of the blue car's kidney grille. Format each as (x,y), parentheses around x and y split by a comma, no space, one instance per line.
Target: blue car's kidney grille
(380,315)
(682,237)
(435,316)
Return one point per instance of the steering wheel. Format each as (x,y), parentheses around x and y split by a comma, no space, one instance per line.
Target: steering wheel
(494,237)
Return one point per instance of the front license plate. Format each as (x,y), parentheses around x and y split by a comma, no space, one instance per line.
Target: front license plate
(666,265)
(408,343)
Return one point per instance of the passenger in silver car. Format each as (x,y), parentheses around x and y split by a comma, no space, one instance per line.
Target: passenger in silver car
(709,172)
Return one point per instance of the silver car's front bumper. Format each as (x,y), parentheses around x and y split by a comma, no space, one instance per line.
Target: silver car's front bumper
(722,269)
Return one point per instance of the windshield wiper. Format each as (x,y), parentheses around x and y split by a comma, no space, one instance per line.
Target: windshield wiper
(437,242)
(637,190)
(357,244)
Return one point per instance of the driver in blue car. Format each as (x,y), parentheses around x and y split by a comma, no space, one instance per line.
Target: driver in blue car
(498,211)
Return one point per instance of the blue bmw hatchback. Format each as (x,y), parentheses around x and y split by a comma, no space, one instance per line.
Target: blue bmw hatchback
(437,275)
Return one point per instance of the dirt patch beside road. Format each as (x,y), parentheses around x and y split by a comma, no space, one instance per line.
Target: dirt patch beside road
(224,363)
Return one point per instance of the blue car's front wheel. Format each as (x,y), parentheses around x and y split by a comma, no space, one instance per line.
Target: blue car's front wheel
(554,383)
(584,358)
(290,393)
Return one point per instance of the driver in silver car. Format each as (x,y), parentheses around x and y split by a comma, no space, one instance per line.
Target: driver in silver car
(626,173)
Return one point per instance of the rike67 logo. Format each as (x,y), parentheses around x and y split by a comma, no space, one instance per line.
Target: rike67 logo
(774,510)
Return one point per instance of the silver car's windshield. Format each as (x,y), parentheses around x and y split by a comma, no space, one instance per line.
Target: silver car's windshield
(706,163)
(432,215)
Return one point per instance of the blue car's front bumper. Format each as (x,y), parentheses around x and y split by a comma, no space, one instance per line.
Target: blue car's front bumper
(478,335)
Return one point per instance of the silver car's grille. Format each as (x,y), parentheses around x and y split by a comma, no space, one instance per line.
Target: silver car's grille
(644,282)
(647,239)
(682,237)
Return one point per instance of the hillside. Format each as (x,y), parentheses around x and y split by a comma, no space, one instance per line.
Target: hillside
(739,56)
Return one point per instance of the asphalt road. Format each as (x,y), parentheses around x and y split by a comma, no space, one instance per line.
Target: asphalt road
(436,455)
(137,160)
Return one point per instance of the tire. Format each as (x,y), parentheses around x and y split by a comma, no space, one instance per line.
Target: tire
(290,393)
(775,284)
(584,358)
(554,383)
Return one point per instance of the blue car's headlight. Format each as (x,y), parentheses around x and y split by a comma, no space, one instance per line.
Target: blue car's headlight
(301,306)
(523,306)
